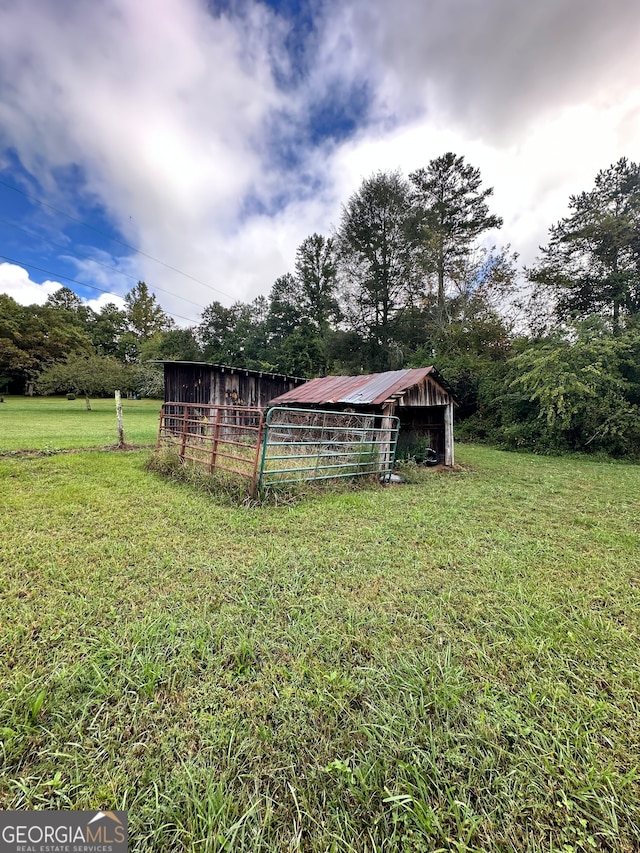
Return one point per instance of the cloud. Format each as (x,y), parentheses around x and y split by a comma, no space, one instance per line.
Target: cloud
(104,299)
(15,282)
(216,142)
(496,68)
(161,106)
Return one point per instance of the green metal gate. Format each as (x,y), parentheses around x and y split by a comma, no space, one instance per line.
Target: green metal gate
(307,444)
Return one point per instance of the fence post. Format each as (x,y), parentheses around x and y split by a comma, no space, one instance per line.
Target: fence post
(264,426)
(216,436)
(119,419)
(256,458)
(184,431)
(161,422)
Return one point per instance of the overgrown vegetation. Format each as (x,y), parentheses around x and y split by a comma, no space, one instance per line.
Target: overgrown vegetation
(448,665)
(223,485)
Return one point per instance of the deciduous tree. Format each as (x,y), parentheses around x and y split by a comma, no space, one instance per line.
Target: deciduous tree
(33,335)
(378,265)
(87,375)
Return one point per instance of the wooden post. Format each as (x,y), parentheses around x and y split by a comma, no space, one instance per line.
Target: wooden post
(216,436)
(257,457)
(448,435)
(119,417)
(161,423)
(185,425)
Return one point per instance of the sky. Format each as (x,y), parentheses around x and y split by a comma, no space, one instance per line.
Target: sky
(194,144)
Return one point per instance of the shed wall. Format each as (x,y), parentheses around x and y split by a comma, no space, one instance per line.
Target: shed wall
(426,393)
(208,384)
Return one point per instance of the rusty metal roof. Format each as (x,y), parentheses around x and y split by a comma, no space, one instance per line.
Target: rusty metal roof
(372,389)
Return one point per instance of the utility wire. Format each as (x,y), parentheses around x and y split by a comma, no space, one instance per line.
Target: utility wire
(115,239)
(82,284)
(99,263)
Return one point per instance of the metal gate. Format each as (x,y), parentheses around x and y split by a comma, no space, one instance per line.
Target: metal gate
(285,446)
(305,444)
(224,438)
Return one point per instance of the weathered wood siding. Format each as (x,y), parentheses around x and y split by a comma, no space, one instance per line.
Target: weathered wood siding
(426,393)
(222,386)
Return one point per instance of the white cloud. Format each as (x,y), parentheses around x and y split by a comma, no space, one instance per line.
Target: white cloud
(160,104)
(15,282)
(104,299)
(495,68)
(172,115)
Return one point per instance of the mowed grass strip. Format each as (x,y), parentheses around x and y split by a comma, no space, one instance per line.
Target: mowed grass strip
(447,665)
(55,423)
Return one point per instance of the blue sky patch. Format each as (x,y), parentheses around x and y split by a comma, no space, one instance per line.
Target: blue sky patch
(51,234)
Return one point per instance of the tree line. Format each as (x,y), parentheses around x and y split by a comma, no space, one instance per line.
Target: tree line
(546,357)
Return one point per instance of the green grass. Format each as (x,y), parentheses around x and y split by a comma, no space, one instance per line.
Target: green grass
(55,423)
(447,665)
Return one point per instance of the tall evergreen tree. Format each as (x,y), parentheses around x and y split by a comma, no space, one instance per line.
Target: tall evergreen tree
(285,312)
(64,298)
(144,314)
(450,214)
(316,276)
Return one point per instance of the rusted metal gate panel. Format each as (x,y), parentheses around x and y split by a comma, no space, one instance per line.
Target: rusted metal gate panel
(307,444)
(224,438)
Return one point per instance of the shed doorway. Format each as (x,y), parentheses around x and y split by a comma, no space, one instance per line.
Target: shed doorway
(420,426)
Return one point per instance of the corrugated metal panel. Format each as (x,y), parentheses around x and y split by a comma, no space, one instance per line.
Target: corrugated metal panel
(329,389)
(375,388)
(372,389)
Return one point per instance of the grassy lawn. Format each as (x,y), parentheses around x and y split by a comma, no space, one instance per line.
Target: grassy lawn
(448,665)
(55,423)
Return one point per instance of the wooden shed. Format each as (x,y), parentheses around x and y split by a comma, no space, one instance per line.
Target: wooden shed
(420,397)
(221,385)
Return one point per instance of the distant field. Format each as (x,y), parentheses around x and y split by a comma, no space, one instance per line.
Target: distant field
(55,423)
(448,665)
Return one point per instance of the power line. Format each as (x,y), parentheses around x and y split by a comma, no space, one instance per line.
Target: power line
(82,284)
(99,263)
(114,239)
